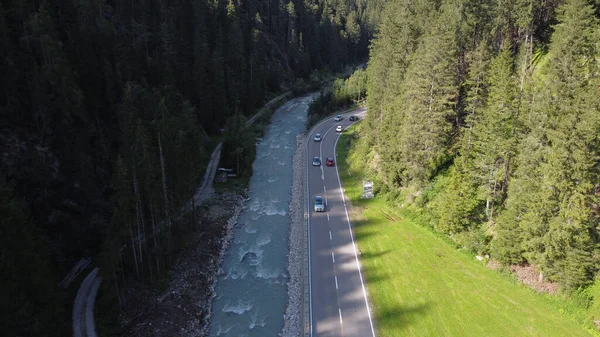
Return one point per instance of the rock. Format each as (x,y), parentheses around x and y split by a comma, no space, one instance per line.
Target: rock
(292,324)
(250,257)
(183,309)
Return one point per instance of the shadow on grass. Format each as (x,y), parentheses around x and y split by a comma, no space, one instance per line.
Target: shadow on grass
(365,223)
(399,317)
(390,317)
(374,255)
(365,228)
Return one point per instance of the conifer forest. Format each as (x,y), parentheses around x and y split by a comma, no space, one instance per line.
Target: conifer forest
(486,116)
(109,112)
(483,116)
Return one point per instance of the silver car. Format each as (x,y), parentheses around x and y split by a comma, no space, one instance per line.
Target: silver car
(319,204)
(338,118)
(318,137)
(316,161)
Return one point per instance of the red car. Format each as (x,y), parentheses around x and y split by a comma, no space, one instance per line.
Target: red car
(329,162)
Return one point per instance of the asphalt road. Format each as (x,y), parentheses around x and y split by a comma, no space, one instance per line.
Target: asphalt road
(338,299)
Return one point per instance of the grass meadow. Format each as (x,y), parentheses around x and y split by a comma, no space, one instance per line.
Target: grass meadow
(419,284)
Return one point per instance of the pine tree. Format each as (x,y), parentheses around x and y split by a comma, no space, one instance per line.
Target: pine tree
(554,184)
(30,301)
(570,98)
(430,94)
(8,98)
(493,138)
(389,59)
(458,206)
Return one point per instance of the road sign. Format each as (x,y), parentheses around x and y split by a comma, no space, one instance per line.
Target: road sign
(367,190)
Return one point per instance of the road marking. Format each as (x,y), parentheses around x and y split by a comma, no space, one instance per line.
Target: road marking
(336,285)
(310,306)
(324,189)
(321,150)
(333,257)
(329,235)
(340,310)
(327,216)
(325,201)
(354,246)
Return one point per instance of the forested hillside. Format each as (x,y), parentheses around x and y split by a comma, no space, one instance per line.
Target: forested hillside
(109,110)
(485,116)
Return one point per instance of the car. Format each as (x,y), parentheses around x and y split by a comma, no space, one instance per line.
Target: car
(318,137)
(338,118)
(330,162)
(316,161)
(353,118)
(339,128)
(319,204)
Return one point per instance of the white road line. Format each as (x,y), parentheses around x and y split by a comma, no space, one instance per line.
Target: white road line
(354,246)
(321,151)
(333,257)
(325,201)
(310,307)
(336,285)
(324,189)
(327,216)
(340,310)
(307,210)
(330,235)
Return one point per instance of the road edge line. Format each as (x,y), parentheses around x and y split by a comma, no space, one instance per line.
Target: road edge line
(307,209)
(362,283)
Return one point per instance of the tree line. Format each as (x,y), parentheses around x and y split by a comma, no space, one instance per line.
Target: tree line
(339,95)
(109,112)
(486,116)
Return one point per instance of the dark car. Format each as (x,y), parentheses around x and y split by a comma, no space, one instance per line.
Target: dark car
(353,118)
(330,162)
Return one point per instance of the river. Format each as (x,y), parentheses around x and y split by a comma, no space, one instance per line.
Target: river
(251,293)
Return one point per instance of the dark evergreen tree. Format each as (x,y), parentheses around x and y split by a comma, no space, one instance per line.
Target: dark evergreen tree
(502,134)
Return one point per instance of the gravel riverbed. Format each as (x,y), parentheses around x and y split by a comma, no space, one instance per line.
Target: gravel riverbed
(293,314)
(184,307)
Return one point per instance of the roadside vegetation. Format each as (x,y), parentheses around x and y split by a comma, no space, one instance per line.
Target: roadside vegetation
(342,93)
(420,284)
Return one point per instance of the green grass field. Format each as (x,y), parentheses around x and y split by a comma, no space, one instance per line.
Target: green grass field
(420,285)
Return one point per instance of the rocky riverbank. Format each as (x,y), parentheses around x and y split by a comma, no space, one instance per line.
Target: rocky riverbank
(293,314)
(184,308)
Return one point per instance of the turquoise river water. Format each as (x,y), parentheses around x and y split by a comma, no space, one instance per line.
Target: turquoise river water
(251,293)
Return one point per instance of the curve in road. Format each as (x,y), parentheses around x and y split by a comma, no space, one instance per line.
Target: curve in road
(338,304)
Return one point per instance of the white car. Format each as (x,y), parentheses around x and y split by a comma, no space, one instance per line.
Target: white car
(318,137)
(319,205)
(339,128)
(338,118)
